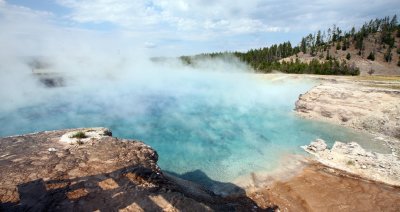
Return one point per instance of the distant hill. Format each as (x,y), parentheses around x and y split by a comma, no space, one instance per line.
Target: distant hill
(372,49)
(359,58)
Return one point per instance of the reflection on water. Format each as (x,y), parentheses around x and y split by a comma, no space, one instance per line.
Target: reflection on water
(227,127)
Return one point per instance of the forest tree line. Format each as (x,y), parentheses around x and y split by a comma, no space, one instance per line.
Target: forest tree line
(266,59)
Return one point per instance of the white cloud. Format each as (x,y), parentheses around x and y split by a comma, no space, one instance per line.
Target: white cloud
(230,24)
(125,13)
(224,17)
(150,45)
(180,15)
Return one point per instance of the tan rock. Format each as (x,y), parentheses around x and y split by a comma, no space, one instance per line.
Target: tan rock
(352,158)
(102,173)
(367,106)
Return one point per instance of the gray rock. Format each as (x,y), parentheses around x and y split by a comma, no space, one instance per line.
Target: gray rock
(317,145)
(351,157)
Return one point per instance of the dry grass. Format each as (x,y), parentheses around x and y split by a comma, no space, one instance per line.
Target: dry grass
(396,87)
(379,78)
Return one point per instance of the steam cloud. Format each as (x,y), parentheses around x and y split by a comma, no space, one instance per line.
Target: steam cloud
(110,81)
(88,59)
(211,116)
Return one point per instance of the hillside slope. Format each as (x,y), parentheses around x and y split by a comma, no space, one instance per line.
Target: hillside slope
(379,66)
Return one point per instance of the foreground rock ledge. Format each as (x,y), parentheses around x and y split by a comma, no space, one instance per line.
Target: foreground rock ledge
(352,158)
(63,170)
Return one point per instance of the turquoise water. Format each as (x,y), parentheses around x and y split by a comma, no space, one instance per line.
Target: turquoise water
(224,125)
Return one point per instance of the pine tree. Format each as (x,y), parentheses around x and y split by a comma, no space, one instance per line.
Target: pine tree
(359,42)
(339,34)
(344,45)
(334,35)
(388,55)
(318,41)
(387,38)
(348,56)
(393,23)
(338,46)
(329,35)
(371,56)
(303,45)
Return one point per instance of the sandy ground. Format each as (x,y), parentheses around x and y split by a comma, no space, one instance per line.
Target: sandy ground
(320,188)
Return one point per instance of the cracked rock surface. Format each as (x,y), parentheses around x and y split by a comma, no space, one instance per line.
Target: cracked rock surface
(94,171)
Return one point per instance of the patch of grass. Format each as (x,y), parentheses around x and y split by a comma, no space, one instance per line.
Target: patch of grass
(79,135)
(350,163)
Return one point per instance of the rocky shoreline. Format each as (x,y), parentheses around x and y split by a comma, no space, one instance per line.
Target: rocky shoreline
(365,105)
(352,158)
(345,177)
(371,106)
(87,169)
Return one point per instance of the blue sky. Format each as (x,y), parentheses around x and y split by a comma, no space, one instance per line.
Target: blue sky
(177,27)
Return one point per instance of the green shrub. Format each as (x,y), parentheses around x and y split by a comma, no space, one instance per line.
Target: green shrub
(348,56)
(328,57)
(344,46)
(371,56)
(338,46)
(388,39)
(79,135)
(388,55)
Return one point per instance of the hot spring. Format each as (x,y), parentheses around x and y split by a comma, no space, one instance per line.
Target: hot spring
(225,125)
